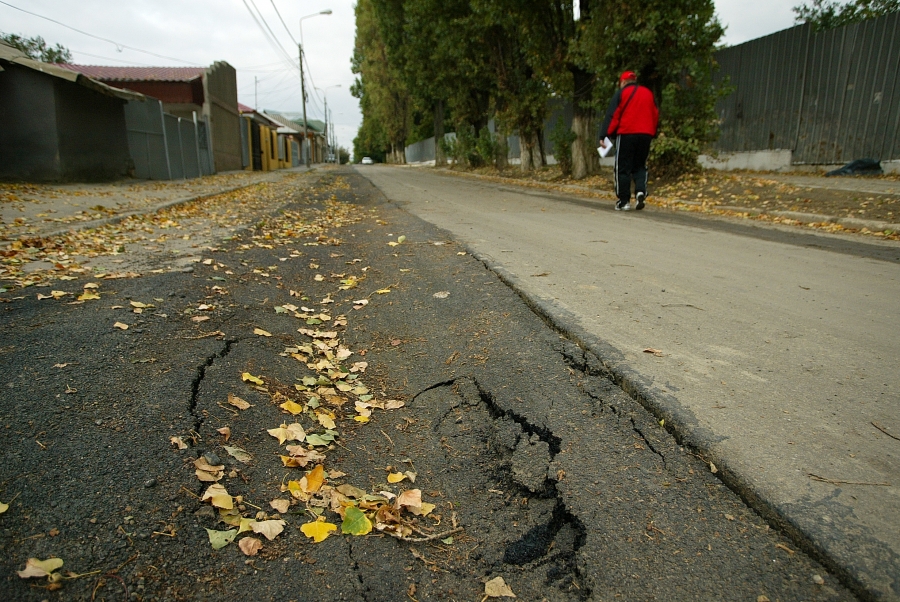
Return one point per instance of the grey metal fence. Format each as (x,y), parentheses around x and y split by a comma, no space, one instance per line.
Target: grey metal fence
(830,97)
(165,147)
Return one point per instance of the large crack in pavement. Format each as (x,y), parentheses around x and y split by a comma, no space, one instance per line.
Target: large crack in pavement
(199,417)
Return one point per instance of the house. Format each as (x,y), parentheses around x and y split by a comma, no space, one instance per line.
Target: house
(58,124)
(263,149)
(210,92)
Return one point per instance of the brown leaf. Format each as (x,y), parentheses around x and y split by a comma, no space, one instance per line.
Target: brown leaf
(237,402)
(250,546)
(281,505)
(225,431)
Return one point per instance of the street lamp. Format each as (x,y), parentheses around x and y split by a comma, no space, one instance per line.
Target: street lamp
(327,11)
(325,94)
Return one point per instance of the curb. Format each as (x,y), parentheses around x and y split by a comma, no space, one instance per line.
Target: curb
(680,423)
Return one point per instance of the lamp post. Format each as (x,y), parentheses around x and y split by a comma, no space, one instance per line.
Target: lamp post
(327,11)
(327,130)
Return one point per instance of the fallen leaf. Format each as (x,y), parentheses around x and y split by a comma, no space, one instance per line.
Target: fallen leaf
(220,539)
(247,377)
(88,296)
(325,420)
(250,546)
(261,332)
(269,528)
(281,505)
(712,468)
(291,432)
(497,588)
(304,456)
(383,291)
(238,454)
(219,497)
(395,477)
(655,352)
(355,522)
(179,442)
(3,507)
(314,479)
(292,407)
(237,401)
(120,326)
(318,530)
(139,305)
(411,498)
(225,431)
(39,568)
(200,318)
(351,491)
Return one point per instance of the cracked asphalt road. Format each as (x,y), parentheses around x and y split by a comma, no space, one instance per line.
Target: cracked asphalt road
(562,484)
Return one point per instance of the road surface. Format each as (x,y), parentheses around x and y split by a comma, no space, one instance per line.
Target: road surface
(776,352)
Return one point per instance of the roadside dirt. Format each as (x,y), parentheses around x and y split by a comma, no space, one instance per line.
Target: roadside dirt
(748,195)
(477,442)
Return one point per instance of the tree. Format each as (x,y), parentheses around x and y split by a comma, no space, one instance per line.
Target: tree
(36,48)
(670,44)
(384,99)
(827,14)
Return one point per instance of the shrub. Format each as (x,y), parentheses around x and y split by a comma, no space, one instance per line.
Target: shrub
(671,157)
(562,138)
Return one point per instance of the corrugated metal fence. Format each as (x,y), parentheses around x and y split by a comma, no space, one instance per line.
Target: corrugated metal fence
(830,97)
(165,147)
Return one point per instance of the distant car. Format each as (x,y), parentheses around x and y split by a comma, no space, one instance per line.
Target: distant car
(367,161)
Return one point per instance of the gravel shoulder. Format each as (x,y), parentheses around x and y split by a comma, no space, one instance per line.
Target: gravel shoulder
(540,470)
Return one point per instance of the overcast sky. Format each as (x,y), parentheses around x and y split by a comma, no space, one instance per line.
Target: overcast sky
(199,32)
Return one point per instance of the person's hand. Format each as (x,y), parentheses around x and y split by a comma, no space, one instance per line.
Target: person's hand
(603,143)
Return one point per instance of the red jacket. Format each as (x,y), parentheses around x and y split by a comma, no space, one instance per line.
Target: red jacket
(632,110)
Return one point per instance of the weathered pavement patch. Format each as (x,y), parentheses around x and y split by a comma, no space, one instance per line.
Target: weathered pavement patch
(564,486)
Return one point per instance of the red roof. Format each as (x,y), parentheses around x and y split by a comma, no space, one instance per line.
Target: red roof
(133,74)
(245,109)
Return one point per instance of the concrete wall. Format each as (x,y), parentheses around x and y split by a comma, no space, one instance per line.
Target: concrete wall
(221,108)
(773,160)
(52,130)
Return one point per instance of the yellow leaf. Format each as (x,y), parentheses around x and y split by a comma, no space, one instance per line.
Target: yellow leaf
(362,419)
(269,528)
(292,407)
(139,305)
(120,326)
(247,377)
(39,568)
(58,294)
(356,522)
(261,332)
(325,420)
(3,507)
(395,477)
(383,291)
(291,432)
(424,510)
(314,479)
(237,402)
(218,496)
(497,588)
(318,530)
(86,296)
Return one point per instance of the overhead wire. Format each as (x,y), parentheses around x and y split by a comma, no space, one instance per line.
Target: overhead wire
(118,45)
(290,35)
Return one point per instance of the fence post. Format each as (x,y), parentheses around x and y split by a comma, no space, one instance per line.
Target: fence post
(162,120)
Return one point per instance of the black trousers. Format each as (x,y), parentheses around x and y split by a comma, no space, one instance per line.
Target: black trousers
(631,164)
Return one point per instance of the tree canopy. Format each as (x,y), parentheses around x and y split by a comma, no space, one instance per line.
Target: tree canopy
(36,48)
(467,62)
(827,14)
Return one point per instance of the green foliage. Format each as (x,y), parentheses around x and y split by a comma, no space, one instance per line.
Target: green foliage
(671,157)
(827,14)
(36,48)
(562,138)
(486,147)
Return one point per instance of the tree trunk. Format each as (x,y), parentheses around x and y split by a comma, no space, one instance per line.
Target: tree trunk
(526,149)
(502,149)
(440,159)
(584,158)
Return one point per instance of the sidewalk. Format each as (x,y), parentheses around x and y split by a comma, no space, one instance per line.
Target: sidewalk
(40,210)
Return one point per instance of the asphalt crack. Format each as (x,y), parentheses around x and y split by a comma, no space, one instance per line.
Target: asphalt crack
(647,441)
(198,378)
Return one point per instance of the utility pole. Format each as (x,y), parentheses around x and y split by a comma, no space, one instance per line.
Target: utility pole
(303,93)
(326,128)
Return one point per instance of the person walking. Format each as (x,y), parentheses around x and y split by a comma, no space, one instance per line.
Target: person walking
(632,118)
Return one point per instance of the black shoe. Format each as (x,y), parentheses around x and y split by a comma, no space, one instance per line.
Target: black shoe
(640,201)
(623,206)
